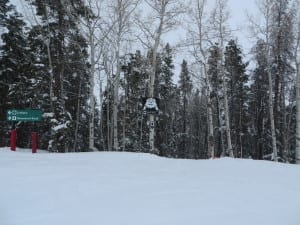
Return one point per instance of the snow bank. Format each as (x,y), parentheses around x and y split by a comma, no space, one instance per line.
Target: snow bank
(140,189)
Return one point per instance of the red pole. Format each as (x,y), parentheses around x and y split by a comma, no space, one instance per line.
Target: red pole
(13,140)
(34,140)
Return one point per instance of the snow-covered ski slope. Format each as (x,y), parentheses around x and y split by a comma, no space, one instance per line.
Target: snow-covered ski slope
(140,189)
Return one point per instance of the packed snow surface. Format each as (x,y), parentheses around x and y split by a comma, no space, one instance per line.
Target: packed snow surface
(108,188)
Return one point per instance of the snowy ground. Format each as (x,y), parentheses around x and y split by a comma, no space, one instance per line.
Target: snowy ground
(140,189)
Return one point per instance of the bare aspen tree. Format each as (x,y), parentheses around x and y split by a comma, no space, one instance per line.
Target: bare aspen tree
(297,62)
(263,31)
(219,19)
(121,16)
(265,9)
(108,69)
(297,151)
(161,19)
(199,42)
(95,35)
(93,27)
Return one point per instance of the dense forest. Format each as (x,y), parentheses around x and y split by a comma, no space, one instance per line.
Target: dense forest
(105,79)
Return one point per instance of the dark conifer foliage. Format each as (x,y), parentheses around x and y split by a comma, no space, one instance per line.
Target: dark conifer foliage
(258,105)
(65,57)
(237,96)
(166,140)
(15,65)
(185,91)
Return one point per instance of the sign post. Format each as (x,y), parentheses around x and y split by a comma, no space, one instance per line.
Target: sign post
(25,115)
(13,140)
(34,141)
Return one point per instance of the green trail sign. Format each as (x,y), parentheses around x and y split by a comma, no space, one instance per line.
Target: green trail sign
(27,115)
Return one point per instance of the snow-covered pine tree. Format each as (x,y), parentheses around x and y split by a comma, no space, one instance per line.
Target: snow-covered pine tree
(198,125)
(17,82)
(59,33)
(237,80)
(185,89)
(216,97)
(133,123)
(166,90)
(281,42)
(11,30)
(258,102)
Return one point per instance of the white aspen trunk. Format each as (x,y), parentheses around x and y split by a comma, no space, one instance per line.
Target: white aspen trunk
(91,95)
(48,41)
(226,108)
(273,134)
(223,153)
(227,124)
(152,76)
(108,119)
(210,138)
(241,131)
(51,74)
(297,151)
(116,102)
(122,10)
(271,112)
(211,143)
(124,120)
(100,110)
(163,12)
(219,17)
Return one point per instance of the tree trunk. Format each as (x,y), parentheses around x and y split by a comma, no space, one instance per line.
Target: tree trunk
(273,132)
(297,151)
(152,80)
(226,108)
(210,136)
(116,102)
(227,125)
(108,119)
(91,96)
(100,113)
(77,117)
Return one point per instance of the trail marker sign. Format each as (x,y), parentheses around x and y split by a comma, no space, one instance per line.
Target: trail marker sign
(26,115)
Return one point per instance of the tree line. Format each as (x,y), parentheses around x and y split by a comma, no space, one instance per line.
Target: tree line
(78,61)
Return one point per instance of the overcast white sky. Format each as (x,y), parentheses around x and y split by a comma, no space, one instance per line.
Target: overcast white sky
(238,20)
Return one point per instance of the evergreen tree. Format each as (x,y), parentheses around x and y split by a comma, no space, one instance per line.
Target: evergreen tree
(185,89)
(167,103)
(281,40)
(237,93)
(258,107)
(65,60)
(133,123)
(4,82)
(15,66)
(198,125)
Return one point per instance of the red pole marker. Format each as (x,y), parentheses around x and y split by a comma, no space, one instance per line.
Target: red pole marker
(34,140)
(13,140)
